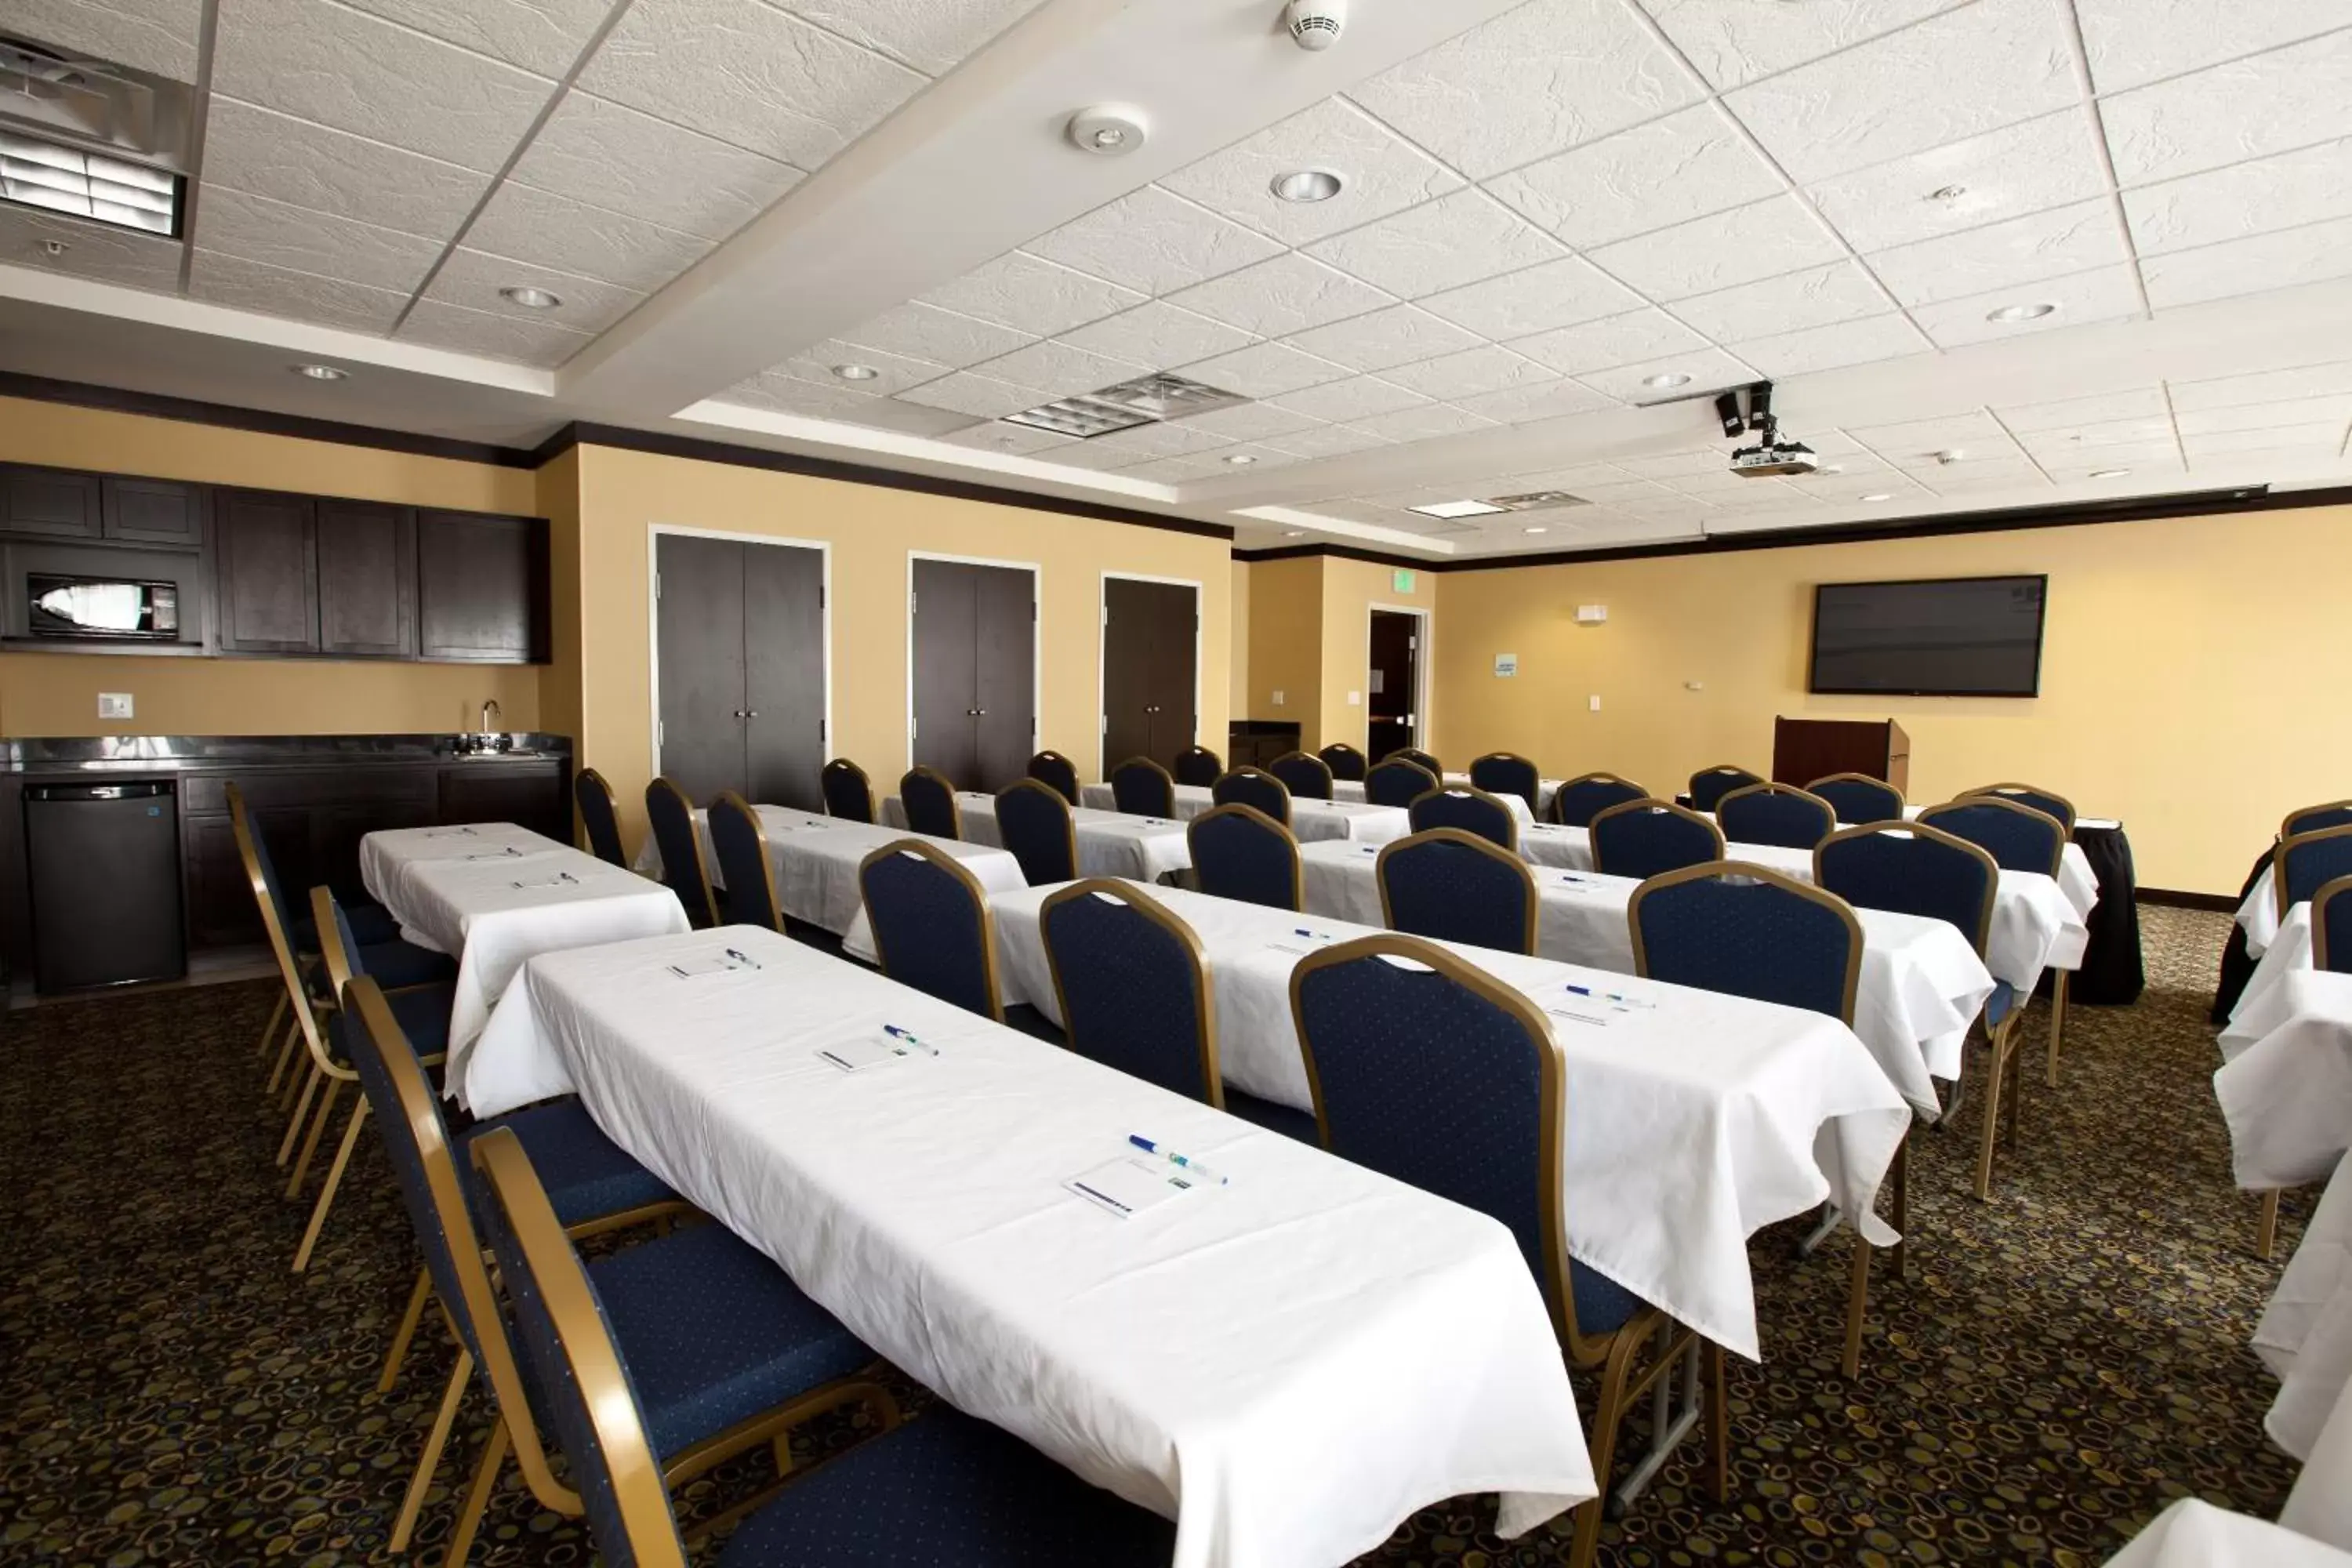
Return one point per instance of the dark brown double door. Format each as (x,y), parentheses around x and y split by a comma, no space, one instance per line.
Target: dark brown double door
(1150,645)
(975,676)
(741,632)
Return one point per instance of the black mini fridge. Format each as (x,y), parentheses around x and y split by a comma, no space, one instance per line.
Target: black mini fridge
(105,864)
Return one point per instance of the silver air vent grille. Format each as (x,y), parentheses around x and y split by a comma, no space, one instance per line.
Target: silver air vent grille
(1142,401)
(84,185)
(1537,500)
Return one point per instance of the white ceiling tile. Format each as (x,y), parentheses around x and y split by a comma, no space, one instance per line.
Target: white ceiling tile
(1831,347)
(1953,76)
(942,337)
(748,73)
(1021,440)
(244,285)
(2141,457)
(300,240)
(2263,386)
(301,58)
(1557,294)
(2324,435)
(2141,403)
(1159,334)
(892,373)
(910,418)
(1488,368)
(92,250)
(2106,433)
(1612,340)
(1706,367)
(2045,162)
(1669,464)
(1260,456)
(1352,401)
(1683,166)
(2131,42)
(1817,297)
(540,35)
(2335,410)
(1574,478)
(981,397)
(2009,254)
(2253,197)
(2105,294)
(1274,298)
(532,225)
(930,35)
(470,279)
(790,394)
(1849,489)
(1157,439)
(1725,488)
(2280,260)
(156,35)
(2289,97)
(1175,470)
(532,341)
(329,171)
(1155,241)
(1983,474)
(1032,295)
(1428,422)
(609,155)
(1524,404)
(1915,440)
(1398,335)
(1545,76)
(1252,422)
(1736,41)
(1759,240)
(1266,370)
(1093,454)
(1060,371)
(1383,174)
(1325,441)
(1455,240)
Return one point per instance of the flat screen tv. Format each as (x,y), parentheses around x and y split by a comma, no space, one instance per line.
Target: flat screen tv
(1953,636)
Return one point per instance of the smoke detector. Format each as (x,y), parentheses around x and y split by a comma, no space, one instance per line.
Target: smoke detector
(1316,25)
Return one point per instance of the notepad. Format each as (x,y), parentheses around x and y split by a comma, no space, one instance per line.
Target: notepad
(871,1051)
(561,879)
(1580,1015)
(711,964)
(508,853)
(449,833)
(1127,1187)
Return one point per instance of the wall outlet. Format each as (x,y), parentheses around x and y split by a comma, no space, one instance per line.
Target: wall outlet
(1277,699)
(1593,702)
(1355,699)
(114,705)
(1694,685)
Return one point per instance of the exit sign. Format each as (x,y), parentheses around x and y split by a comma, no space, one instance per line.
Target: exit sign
(1401,580)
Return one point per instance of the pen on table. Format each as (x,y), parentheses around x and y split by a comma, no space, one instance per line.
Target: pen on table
(1174,1158)
(896,1033)
(745,959)
(1617,996)
(1310,935)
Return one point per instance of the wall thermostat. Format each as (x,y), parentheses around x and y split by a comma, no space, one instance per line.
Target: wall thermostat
(1591,615)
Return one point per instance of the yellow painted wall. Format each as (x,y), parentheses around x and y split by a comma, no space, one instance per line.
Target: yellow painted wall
(1286,645)
(872,531)
(1350,589)
(1238,658)
(56,693)
(2188,672)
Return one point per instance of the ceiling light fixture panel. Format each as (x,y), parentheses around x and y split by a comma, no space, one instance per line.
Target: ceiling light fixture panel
(1450,509)
(61,178)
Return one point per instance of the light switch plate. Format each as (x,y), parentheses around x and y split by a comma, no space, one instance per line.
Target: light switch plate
(1277,699)
(1595,701)
(114,705)
(1355,699)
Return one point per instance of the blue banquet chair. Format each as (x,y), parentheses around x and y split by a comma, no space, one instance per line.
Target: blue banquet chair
(933,927)
(1033,820)
(1452,885)
(1643,837)
(1239,852)
(1472,810)
(1775,813)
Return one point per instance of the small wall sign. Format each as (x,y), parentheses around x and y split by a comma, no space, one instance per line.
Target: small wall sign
(1505,665)
(1401,580)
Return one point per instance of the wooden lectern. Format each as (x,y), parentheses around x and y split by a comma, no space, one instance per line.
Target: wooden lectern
(1804,750)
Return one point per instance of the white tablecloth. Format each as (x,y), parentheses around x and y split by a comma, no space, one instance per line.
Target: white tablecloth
(1110,843)
(493,895)
(2286,1083)
(2289,950)
(1352,791)
(2258,916)
(1545,788)
(1311,821)
(1192,800)
(2320,1506)
(1287,1365)
(2194,1534)
(1922,984)
(1691,1123)
(2305,1334)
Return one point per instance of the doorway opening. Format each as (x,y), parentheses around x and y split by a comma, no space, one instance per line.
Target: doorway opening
(1392,706)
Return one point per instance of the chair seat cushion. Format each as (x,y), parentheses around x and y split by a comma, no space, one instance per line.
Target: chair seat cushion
(371,923)
(586,1174)
(1601,1304)
(397,964)
(424,1015)
(1274,1117)
(1997,1005)
(715,1333)
(947,1488)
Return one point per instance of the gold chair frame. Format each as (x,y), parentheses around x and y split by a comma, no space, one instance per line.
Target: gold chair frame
(1529,906)
(924,849)
(1323,755)
(1069,824)
(1862,778)
(2005,790)
(2286,824)
(2279,858)
(839,765)
(1641,791)
(1510,817)
(589,778)
(1328,777)
(1205,999)
(1648,803)
(1425,761)
(1394,761)
(1251,812)
(1196,750)
(1051,755)
(1749,776)
(1769,788)
(1167,781)
(1509,757)
(727,799)
(2058,977)
(1247,771)
(925,771)
(668,785)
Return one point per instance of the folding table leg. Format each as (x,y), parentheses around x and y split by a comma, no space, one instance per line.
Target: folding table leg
(2057,1019)
(2266,1228)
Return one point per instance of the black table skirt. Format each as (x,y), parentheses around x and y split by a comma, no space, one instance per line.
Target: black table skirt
(2111,975)
(2237,964)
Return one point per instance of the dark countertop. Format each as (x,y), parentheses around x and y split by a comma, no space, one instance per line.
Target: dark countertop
(80,756)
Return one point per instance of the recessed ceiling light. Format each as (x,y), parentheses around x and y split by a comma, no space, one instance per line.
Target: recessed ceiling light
(1454,509)
(2109,473)
(1308,185)
(1294,533)
(320,372)
(1240,458)
(1536,530)
(1947,193)
(1666,379)
(1110,129)
(2033,313)
(532,298)
(856,372)
(1879,495)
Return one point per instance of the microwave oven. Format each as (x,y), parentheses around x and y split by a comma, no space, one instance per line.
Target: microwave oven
(64,605)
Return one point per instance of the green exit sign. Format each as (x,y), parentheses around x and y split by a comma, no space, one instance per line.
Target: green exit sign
(1401,580)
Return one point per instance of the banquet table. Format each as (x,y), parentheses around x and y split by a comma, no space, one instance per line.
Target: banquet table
(1352,791)
(1311,821)
(2259,917)
(816,859)
(2289,950)
(1110,843)
(2192,1533)
(1288,1358)
(2305,1335)
(1545,788)
(494,894)
(1694,1118)
(1922,984)
(2286,1083)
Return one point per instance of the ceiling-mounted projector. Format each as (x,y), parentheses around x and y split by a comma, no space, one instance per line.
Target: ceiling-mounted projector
(1771,458)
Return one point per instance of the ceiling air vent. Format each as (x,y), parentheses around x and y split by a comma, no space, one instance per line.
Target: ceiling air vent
(1537,500)
(91,140)
(1142,401)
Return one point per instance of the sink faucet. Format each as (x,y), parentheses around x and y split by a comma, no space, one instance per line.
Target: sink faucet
(490,710)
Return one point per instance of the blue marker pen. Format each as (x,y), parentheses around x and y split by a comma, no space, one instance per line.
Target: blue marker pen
(1174,1158)
(896,1033)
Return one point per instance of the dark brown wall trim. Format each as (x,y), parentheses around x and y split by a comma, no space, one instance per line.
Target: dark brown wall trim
(1340,552)
(115,400)
(2225,903)
(701,450)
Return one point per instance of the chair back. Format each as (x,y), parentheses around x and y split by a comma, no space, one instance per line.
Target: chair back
(1857,798)
(1452,885)
(1033,820)
(848,794)
(1253,787)
(2311,818)
(600,817)
(1746,931)
(741,847)
(1197,765)
(277,925)
(1472,810)
(1577,801)
(1344,761)
(1397,782)
(2308,862)
(1912,868)
(1057,773)
(1508,773)
(684,871)
(1419,759)
(1709,786)
(563,1334)
(929,799)
(1776,814)
(2019,837)
(2331,926)
(1239,852)
(933,927)
(1429,1072)
(1142,788)
(2041,800)
(1134,993)
(344,958)
(1305,777)
(1644,837)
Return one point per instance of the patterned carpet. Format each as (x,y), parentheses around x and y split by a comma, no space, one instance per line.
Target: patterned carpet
(2059,1366)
